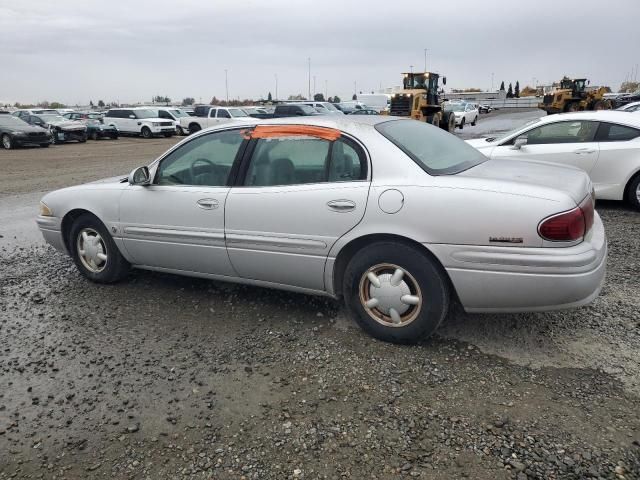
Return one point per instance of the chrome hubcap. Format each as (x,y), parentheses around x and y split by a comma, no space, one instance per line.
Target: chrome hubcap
(92,250)
(390,295)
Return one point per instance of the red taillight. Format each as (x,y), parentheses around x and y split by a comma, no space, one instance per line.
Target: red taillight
(569,226)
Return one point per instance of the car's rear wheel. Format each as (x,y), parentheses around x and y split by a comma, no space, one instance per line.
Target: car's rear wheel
(633,192)
(146,132)
(462,123)
(194,127)
(83,138)
(395,292)
(45,145)
(475,120)
(7,142)
(94,251)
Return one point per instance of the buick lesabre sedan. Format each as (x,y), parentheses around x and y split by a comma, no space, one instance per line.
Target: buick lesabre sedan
(395,216)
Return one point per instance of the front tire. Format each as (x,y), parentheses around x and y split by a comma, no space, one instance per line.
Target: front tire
(475,120)
(94,135)
(395,292)
(7,142)
(94,251)
(146,132)
(462,123)
(180,131)
(45,145)
(633,192)
(194,127)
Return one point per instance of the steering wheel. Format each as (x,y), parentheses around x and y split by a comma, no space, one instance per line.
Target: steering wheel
(192,168)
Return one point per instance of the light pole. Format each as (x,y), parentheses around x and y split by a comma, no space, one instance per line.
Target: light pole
(309,93)
(492,81)
(425,59)
(226,85)
(326,91)
(276,75)
(314,85)
(411,68)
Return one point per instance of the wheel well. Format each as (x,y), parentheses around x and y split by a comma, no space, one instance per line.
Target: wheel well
(196,124)
(350,249)
(625,195)
(67,222)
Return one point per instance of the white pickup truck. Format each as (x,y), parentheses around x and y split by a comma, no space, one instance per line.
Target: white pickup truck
(210,116)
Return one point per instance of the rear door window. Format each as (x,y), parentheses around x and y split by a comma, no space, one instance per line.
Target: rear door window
(562,132)
(611,132)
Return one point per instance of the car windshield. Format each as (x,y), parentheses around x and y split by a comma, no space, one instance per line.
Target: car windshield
(511,132)
(145,113)
(454,107)
(178,113)
(437,152)
(236,112)
(307,109)
(53,118)
(11,121)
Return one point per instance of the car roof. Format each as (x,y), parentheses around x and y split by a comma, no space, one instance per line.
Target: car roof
(596,115)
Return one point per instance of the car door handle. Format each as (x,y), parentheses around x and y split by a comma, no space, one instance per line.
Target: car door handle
(207,203)
(341,205)
(584,150)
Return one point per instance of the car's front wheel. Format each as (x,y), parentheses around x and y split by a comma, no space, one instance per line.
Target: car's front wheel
(94,251)
(94,135)
(475,120)
(146,132)
(180,130)
(633,192)
(7,143)
(395,292)
(45,145)
(462,123)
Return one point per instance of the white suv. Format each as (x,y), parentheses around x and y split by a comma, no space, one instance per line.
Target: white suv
(139,121)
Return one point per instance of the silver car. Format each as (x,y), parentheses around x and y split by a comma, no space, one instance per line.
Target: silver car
(397,217)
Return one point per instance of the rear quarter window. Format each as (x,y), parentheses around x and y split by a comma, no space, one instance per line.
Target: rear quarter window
(611,132)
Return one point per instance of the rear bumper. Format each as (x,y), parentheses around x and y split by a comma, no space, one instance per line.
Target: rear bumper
(513,279)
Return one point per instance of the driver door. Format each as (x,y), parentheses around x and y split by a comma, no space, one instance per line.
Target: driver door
(567,142)
(177,222)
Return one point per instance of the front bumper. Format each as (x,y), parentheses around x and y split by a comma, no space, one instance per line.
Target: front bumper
(515,279)
(69,135)
(25,140)
(51,229)
(162,130)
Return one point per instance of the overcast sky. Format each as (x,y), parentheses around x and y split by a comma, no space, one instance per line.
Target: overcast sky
(74,51)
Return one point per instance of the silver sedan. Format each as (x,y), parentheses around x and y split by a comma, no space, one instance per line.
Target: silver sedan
(395,216)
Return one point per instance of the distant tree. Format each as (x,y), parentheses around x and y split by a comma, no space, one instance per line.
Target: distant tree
(510,91)
(297,97)
(516,91)
(629,87)
(502,86)
(269,97)
(188,101)
(160,99)
(214,101)
(318,97)
(114,104)
(57,105)
(91,103)
(354,97)
(100,103)
(336,99)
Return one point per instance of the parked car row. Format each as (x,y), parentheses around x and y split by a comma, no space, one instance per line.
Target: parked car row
(465,113)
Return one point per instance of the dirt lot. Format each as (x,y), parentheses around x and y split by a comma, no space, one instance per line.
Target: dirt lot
(168,377)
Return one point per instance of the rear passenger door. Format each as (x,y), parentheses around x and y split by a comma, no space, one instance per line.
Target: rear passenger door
(297,193)
(619,158)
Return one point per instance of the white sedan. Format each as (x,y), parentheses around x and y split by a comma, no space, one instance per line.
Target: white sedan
(395,216)
(630,107)
(465,113)
(605,144)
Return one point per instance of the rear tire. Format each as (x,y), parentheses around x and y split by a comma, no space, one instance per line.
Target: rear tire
(94,251)
(45,145)
(475,120)
(462,124)
(633,192)
(146,132)
(83,139)
(194,127)
(404,309)
(572,107)
(7,142)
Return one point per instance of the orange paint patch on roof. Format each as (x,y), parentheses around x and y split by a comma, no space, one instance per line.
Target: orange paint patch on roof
(274,131)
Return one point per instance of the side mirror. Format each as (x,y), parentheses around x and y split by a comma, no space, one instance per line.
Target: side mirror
(132,117)
(140,176)
(519,143)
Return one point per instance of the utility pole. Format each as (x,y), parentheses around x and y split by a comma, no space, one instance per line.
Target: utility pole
(425,59)
(309,96)
(492,81)
(355,90)
(411,68)
(326,91)
(314,85)
(276,75)
(226,85)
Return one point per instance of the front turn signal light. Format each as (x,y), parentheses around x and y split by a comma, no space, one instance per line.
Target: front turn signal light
(45,211)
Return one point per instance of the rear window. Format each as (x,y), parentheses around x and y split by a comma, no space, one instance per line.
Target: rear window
(611,132)
(437,152)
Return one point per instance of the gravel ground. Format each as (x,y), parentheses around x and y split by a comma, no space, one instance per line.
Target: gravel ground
(162,376)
